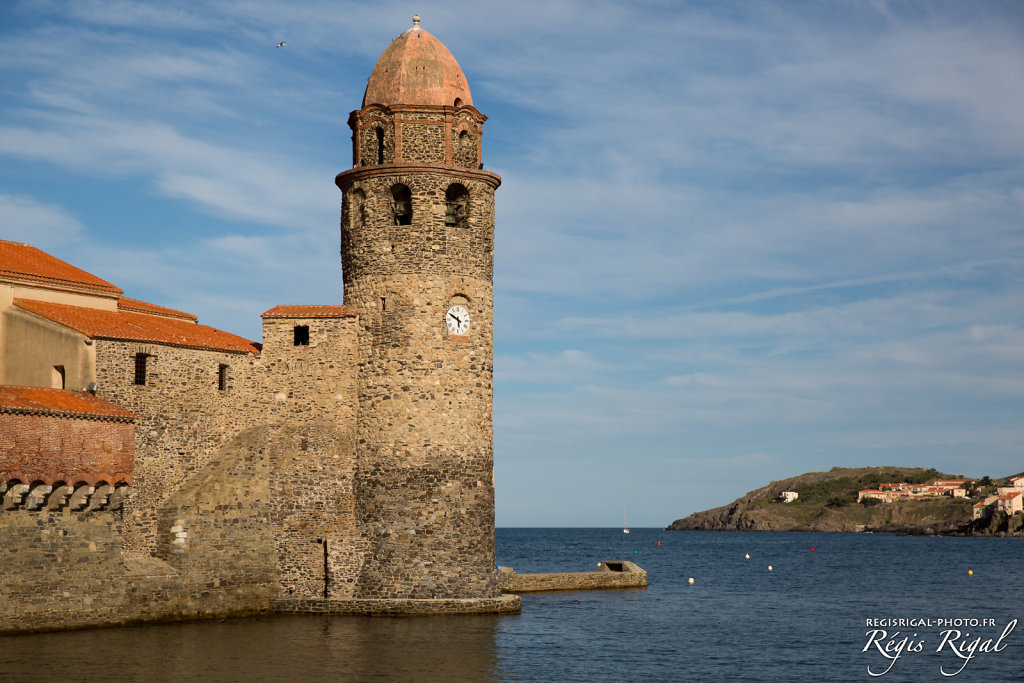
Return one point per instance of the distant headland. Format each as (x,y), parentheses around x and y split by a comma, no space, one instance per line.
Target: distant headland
(910,500)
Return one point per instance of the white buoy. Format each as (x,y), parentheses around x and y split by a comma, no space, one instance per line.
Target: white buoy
(769,568)
(690,581)
(747,556)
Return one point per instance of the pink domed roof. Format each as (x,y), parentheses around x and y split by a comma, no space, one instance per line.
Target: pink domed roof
(417,68)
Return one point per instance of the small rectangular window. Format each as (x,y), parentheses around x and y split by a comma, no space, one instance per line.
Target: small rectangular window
(140,368)
(57,377)
(302,335)
(222,377)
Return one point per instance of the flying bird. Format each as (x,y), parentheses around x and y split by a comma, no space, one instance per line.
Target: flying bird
(281,44)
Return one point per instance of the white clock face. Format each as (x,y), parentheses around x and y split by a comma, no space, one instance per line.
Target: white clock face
(457,320)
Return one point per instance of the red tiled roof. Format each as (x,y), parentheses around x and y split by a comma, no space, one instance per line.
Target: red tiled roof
(296,311)
(129,326)
(126,304)
(59,402)
(25,262)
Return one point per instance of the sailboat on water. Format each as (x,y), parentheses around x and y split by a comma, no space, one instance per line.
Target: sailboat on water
(625,525)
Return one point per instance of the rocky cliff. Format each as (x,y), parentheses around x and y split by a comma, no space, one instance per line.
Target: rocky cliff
(828,502)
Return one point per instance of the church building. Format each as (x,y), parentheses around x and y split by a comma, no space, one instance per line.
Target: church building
(155,468)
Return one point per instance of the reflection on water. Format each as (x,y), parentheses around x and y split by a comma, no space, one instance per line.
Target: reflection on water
(272,648)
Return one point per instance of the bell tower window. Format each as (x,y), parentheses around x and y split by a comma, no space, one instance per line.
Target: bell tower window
(401,204)
(300,335)
(456,206)
(380,144)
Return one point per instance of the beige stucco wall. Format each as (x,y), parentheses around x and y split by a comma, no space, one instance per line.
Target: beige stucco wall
(10,290)
(31,346)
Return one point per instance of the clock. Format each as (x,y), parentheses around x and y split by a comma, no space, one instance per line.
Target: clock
(457,320)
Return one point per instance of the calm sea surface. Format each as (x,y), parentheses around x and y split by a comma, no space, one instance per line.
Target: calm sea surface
(803,621)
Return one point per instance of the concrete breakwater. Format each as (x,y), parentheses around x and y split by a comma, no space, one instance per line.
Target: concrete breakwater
(609,574)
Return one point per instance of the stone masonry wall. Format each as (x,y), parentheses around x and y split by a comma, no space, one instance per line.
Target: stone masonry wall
(312,456)
(215,532)
(374,245)
(425,485)
(59,569)
(365,144)
(307,392)
(465,135)
(626,575)
(422,139)
(417,134)
(183,419)
(65,569)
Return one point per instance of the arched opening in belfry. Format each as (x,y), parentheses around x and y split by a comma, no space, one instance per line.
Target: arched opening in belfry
(456,199)
(458,101)
(401,204)
(379,132)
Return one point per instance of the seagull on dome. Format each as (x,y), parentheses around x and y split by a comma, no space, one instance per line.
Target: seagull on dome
(281,44)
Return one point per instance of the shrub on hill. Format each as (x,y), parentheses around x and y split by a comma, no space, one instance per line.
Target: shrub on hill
(843,490)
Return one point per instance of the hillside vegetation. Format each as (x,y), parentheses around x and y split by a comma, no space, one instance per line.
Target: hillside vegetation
(828,502)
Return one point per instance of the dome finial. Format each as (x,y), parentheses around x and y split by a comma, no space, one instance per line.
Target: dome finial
(416,23)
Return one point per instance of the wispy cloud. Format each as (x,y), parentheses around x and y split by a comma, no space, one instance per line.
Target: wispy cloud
(44,225)
(735,241)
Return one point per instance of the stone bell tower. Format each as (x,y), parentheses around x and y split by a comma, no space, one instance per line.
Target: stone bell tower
(417,253)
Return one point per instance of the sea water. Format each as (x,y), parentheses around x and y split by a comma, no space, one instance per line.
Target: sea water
(835,607)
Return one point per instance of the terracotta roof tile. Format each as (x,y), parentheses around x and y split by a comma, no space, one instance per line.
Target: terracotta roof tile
(59,402)
(25,262)
(126,304)
(129,326)
(297,311)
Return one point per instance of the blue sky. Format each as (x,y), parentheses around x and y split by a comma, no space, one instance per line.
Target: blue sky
(735,241)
